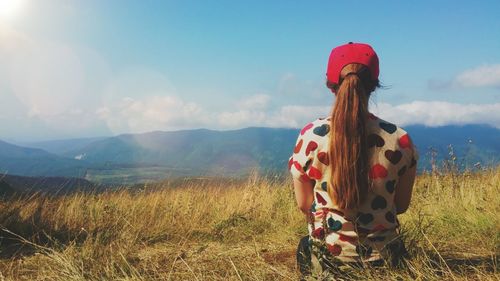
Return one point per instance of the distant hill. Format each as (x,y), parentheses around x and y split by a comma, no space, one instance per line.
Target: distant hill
(199,151)
(62,146)
(471,144)
(132,158)
(205,151)
(36,162)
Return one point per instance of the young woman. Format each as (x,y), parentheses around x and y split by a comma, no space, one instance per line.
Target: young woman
(352,172)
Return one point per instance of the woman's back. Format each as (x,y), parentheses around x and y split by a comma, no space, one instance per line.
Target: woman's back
(361,233)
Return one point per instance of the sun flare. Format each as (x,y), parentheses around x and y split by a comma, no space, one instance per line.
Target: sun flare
(9,9)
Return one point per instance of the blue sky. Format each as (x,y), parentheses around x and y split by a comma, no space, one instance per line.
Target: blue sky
(93,68)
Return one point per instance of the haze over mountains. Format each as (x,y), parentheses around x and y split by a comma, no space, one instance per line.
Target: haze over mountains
(133,158)
(18,160)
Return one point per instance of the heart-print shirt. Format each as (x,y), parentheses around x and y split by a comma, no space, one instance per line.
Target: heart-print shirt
(359,234)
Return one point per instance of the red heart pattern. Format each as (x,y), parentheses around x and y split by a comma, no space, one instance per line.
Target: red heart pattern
(318,233)
(323,158)
(391,145)
(320,199)
(378,227)
(306,128)
(346,238)
(377,171)
(404,141)
(298,146)
(311,146)
(314,173)
(297,166)
(304,178)
(334,249)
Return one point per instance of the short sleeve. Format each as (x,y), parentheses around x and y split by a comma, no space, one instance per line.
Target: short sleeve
(303,154)
(409,150)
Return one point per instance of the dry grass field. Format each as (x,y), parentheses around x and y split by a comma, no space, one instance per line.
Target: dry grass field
(236,230)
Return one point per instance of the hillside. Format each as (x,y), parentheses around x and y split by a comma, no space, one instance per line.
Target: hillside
(25,161)
(200,151)
(61,147)
(237,151)
(132,158)
(10,185)
(470,143)
(245,230)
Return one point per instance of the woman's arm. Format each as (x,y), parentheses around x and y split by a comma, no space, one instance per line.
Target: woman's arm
(404,189)
(303,194)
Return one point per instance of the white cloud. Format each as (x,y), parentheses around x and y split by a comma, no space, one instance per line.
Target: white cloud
(296,116)
(170,112)
(439,113)
(287,116)
(255,102)
(152,113)
(241,118)
(429,113)
(482,76)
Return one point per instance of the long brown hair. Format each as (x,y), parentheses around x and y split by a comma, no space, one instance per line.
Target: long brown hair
(348,145)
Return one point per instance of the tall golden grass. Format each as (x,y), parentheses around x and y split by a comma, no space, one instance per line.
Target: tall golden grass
(230,230)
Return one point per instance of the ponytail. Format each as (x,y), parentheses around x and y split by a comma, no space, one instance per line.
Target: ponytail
(348,145)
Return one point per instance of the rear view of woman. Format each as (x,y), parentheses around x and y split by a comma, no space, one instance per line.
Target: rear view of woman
(353,172)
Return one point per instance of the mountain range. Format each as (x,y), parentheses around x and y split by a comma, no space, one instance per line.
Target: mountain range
(27,161)
(132,158)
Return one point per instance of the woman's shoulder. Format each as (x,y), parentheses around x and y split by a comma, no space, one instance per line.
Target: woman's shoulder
(317,128)
(309,148)
(387,135)
(387,128)
(315,134)
(320,121)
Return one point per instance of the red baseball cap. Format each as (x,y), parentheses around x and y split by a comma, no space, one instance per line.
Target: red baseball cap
(351,53)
